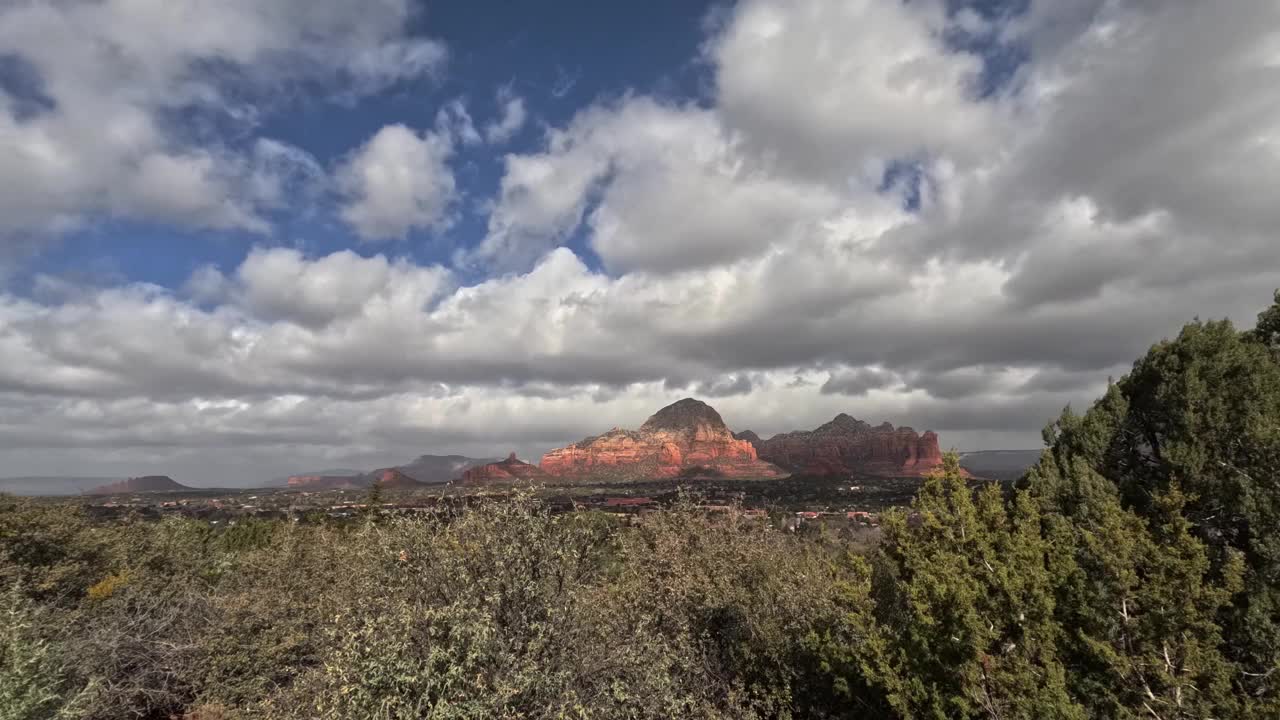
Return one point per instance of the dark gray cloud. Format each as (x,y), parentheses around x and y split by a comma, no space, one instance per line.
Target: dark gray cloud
(858,381)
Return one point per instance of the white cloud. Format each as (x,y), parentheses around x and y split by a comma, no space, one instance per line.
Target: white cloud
(376,67)
(838,88)
(281,174)
(398,181)
(279,284)
(511,120)
(669,187)
(454,121)
(117,73)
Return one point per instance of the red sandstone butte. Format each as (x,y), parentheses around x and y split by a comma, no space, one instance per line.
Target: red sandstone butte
(393,479)
(510,470)
(848,446)
(685,439)
(144,484)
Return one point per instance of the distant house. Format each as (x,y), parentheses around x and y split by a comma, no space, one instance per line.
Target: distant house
(861,516)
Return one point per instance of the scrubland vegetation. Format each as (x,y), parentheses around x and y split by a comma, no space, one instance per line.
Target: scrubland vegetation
(1134,573)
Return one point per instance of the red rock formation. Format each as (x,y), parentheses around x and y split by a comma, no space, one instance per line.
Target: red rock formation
(393,479)
(849,446)
(687,438)
(511,470)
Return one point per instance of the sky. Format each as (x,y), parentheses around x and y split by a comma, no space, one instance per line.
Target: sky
(240,240)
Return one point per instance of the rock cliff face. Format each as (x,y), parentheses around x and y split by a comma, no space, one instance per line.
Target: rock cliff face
(681,439)
(511,470)
(847,446)
(145,484)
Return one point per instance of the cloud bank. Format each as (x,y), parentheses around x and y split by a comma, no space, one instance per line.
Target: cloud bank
(873,211)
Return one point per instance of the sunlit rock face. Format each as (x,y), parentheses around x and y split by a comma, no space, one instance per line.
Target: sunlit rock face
(685,436)
(847,445)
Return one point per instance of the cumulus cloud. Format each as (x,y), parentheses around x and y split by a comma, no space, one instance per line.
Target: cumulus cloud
(95,127)
(400,180)
(841,88)
(511,120)
(661,187)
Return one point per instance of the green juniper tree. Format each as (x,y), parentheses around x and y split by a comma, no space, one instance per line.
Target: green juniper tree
(1197,423)
(964,623)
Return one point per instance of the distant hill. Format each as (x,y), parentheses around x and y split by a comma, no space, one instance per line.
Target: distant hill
(395,480)
(333,472)
(52,485)
(426,470)
(438,469)
(328,482)
(144,484)
(1008,465)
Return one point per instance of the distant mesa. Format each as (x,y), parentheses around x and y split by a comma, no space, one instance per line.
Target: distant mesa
(678,438)
(511,470)
(847,445)
(425,470)
(393,479)
(144,484)
(440,469)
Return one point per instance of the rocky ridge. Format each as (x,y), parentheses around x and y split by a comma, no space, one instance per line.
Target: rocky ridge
(511,470)
(846,445)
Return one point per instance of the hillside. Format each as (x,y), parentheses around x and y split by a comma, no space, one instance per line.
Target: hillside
(144,484)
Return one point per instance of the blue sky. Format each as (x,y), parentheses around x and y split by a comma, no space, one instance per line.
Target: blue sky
(242,239)
(559,57)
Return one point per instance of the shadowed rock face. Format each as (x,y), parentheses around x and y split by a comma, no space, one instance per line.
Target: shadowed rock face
(847,445)
(687,434)
(145,484)
(511,470)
